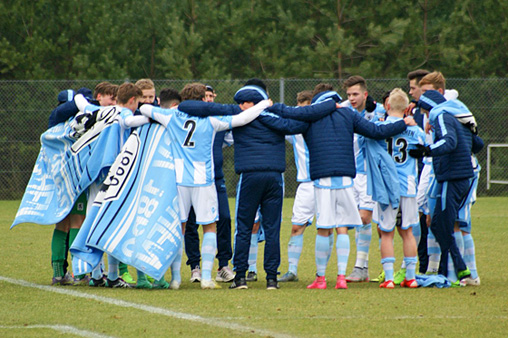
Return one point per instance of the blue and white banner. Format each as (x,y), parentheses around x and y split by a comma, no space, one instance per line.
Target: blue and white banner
(65,167)
(135,217)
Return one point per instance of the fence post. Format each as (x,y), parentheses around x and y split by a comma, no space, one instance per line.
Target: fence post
(488,167)
(281,90)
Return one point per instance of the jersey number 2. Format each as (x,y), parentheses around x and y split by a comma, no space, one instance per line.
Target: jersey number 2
(189,125)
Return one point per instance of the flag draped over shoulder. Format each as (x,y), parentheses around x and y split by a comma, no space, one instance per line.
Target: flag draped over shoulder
(66,166)
(135,217)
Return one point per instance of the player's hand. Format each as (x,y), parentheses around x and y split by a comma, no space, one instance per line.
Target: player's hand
(270,102)
(420,151)
(428,128)
(410,121)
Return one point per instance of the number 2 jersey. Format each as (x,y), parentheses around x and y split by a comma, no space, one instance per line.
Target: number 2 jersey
(398,147)
(192,144)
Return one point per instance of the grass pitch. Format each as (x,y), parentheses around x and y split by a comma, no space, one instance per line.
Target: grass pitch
(30,307)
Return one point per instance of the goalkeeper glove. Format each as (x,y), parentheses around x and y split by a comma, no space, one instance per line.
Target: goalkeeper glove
(419,151)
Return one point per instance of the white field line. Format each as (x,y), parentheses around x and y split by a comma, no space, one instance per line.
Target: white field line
(151,309)
(60,328)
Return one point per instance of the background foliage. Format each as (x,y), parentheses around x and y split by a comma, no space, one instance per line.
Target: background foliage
(216,39)
(48,45)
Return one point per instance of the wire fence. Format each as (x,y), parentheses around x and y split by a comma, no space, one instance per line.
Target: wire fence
(25,107)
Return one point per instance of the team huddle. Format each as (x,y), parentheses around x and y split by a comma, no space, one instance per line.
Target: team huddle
(397,164)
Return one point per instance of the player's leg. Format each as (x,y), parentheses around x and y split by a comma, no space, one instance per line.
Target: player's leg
(410,257)
(271,212)
(322,249)
(224,251)
(386,224)
(204,202)
(249,191)
(176,277)
(295,247)
(58,248)
(346,216)
(443,220)
(303,213)
(192,247)
(208,249)
(325,223)
(470,259)
(76,219)
(252,274)
(409,220)
(363,233)
(422,201)
(114,280)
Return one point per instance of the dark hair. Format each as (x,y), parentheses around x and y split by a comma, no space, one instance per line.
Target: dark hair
(386,95)
(209,88)
(354,80)
(322,87)
(168,96)
(417,75)
(256,82)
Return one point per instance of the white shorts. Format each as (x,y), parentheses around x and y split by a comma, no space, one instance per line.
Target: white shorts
(336,208)
(363,200)
(304,207)
(423,186)
(386,219)
(204,201)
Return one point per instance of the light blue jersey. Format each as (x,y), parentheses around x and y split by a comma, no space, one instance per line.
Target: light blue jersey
(301,157)
(192,144)
(398,147)
(377,115)
(334,182)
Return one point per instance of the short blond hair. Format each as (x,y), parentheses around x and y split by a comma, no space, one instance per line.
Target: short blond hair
(145,84)
(398,100)
(436,79)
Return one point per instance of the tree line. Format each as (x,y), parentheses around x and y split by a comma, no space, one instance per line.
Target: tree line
(217,39)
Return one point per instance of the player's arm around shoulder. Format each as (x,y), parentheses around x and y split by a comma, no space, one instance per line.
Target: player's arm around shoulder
(309,113)
(161,115)
(205,109)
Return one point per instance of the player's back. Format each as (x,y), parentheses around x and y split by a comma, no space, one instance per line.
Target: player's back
(407,166)
(192,144)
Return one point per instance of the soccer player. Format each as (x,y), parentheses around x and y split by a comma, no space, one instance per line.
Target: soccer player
(407,172)
(332,168)
(192,148)
(304,206)
(357,94)
(451,153)
(260,161)
(224,251)
(148,88)
(436,81)
(127,99)
(421,232)
(67,230)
